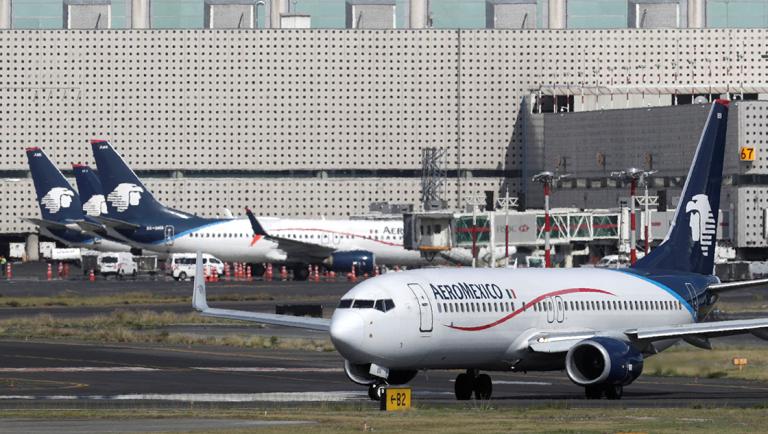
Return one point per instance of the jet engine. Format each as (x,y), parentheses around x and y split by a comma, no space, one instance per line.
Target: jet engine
(363,261)
(603,361)
(360,374)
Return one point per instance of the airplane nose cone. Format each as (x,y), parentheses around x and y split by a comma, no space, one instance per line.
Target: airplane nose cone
(347,334)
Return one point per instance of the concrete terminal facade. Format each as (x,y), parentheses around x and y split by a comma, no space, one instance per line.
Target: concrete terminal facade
(324,121)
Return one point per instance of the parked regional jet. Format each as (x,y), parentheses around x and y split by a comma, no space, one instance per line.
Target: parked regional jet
(136,215)
(61,209)
(596,324)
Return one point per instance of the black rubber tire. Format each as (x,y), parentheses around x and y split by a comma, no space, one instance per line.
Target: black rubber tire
(258,270)
(483,387)
(463,387)
(614,391)
(376,391)
(300,272)
(182,276)
(593,392)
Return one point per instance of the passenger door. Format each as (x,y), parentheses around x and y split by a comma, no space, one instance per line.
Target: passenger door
(425,307)
(169,233)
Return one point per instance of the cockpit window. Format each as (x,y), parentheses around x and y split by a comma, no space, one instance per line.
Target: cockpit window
(362,304)
(344,304)
(384,305)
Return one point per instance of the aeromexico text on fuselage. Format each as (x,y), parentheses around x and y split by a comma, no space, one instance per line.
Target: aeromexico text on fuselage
(469,291)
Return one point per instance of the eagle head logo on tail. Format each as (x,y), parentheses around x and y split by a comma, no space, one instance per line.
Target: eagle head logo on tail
(701,221)
(125,195)
(57,198)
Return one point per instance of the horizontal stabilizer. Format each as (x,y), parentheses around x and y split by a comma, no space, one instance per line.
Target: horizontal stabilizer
(46,223)
(115,223)
(90,226)
(743,284)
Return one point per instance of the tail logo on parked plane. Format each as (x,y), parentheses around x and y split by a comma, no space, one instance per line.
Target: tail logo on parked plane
(124,196)
(95,206)
(57,198)
(702,222)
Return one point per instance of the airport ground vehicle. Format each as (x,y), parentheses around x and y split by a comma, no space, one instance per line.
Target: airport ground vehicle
(596,324)
(182,265)
(120,264)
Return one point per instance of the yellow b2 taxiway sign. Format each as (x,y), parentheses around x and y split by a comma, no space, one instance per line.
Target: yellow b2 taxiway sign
(396,399)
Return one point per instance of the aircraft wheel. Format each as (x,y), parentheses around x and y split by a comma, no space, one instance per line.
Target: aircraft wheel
(463,387)
(593,392)
(483,387)
(614,391)
(376,391)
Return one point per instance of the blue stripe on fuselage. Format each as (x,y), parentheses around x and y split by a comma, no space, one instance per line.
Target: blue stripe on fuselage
(666,288)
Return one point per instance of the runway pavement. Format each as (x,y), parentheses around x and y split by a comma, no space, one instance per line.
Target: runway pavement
(34,373)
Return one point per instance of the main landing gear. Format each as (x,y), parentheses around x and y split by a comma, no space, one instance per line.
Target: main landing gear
(610,391)
(473,382)
(376,391)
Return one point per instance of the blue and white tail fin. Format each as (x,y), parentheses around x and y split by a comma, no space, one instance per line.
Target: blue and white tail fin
(689,246)
(126,196)
(58,201)
(91,194)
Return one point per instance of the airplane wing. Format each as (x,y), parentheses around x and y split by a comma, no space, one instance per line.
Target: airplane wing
(115,223)
(200,303)
(732,286)
(696,333)
(293,248)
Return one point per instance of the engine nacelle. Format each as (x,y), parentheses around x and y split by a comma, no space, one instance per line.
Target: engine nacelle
(360,374)
(363,261)
(603,360)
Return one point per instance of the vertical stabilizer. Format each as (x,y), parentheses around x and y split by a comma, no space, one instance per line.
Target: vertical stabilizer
(689,246)
(89,186)
(58,201)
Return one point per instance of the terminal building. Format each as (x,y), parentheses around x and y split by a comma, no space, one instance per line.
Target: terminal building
(320,108)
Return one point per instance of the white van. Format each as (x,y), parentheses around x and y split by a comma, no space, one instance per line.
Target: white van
(120,264)
(182,265)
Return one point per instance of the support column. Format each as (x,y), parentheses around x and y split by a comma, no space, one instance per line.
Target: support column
(140,14)
(32,247)
(558,14)
(276,8)
(418,14)
(697,14)
(5,14)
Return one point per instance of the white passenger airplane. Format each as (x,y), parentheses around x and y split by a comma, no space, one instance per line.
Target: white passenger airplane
(596,324)
(137,218)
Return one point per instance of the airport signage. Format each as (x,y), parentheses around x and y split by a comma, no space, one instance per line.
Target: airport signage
(396,399)
(747,153)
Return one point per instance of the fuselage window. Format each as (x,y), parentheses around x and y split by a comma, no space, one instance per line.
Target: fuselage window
(512,306)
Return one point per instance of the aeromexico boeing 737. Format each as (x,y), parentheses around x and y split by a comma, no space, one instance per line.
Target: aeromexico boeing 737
(596,324)
(145,223)
(61,210)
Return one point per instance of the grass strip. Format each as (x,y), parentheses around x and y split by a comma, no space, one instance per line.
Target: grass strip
(131,326)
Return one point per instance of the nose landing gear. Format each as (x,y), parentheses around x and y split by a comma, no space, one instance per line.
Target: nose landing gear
(472,382)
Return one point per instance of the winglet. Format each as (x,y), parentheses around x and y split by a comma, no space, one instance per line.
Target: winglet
(257,228)
(199,301)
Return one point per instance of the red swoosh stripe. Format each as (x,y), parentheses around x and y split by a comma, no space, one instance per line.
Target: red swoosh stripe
(531,303)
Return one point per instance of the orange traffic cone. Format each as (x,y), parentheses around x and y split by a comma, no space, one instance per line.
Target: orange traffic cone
(60,270)
(226,271)
(268,273)
(332,275)
(248,275)
(66,270)
(375,271)
(352,277)
(283,273)
(8,271)
(49,273)
(92,276)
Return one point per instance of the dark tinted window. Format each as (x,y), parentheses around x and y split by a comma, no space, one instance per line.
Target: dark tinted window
(389,305)
(380,305)
(363,304)
(344,304)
